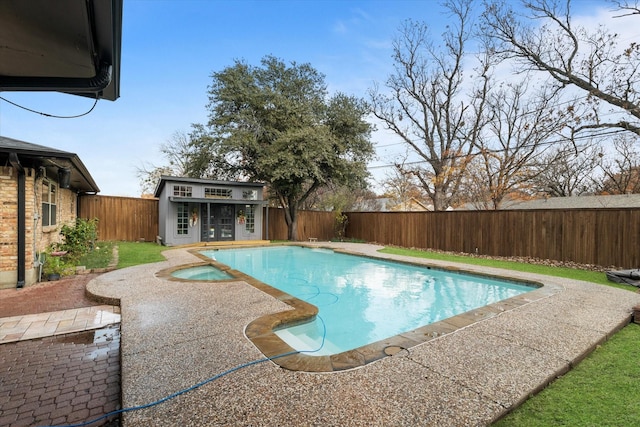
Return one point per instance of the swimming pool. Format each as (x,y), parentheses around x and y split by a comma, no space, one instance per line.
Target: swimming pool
(362,300)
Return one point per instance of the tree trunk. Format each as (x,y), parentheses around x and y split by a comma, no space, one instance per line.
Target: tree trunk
(293,230)
(292,222)
(290,217)
(439,202)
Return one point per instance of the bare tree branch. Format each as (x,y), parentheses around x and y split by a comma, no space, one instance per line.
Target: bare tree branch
(427,105)
(628,7)
(521,122)
(591,61)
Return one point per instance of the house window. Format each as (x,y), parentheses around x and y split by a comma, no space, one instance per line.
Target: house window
(49,203)
(250,194)
(183,219)
(182,190)
(217,193)
(250,220)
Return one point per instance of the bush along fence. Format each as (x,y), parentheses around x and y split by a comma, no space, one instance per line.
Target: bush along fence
(605,237)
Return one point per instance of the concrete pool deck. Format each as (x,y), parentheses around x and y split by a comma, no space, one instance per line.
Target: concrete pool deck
(176,334)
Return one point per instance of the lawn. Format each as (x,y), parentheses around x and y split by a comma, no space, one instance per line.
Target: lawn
(601,391)
(135,253)
(99,257)
(569,273)
(129,254)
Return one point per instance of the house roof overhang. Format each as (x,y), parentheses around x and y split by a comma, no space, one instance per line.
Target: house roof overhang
(70,46)
(38,156)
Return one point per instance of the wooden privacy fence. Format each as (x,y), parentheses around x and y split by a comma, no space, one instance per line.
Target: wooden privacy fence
(605,237)
(132,219)
(316,224)
(121,218)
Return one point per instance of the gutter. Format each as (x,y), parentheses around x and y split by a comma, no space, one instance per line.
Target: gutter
(22,229)
(94,84)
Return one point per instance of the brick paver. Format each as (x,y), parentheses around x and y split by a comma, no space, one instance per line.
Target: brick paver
(69,292)
(32,326)
(58,380)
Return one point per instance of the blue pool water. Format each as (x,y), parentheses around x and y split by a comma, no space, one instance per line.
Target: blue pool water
(203,272)
(362,300)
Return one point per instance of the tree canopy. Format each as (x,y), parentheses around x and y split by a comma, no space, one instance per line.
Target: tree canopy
(276,123)
(524,107)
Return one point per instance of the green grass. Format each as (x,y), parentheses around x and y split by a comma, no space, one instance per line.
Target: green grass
(135,253)
(569,273)
(99,257)
(601,391)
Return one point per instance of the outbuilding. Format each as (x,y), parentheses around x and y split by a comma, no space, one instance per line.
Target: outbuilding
(195,210)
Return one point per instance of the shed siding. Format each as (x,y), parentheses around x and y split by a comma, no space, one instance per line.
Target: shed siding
(169,202)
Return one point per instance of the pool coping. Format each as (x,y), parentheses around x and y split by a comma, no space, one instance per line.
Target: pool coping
(167,273)
(261,331)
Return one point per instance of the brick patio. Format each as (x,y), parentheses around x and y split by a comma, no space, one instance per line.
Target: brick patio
(65,379)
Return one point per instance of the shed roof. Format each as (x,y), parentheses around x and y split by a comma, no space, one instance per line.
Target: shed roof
(164,179)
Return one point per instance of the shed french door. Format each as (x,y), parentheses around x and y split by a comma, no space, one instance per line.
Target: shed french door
(217,222)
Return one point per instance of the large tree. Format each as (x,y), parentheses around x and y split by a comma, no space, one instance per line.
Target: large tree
(521,122)
(568,170)
(400,188)
(432,105)
(621,174)
(276,123)
(589,65)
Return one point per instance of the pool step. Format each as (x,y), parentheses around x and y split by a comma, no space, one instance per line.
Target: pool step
(304,342)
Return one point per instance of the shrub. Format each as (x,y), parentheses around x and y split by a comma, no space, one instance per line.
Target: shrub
(340,224)
(57,264)
(79,239)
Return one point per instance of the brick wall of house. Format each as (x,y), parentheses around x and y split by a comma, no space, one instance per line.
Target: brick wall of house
(67,210)
(38,238)
(9,219)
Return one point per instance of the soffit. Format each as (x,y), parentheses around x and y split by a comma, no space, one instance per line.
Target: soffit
(61,45)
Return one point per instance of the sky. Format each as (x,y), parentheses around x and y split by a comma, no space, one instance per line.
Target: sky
(170,48)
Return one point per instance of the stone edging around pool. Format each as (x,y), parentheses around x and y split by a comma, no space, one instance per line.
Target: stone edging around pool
(261,331)
(167,273)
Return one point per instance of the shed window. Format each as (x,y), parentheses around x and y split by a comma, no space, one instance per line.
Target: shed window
(49,203)
(250,194)
(183,219)
(182,190)
(250,222)
(217,193)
